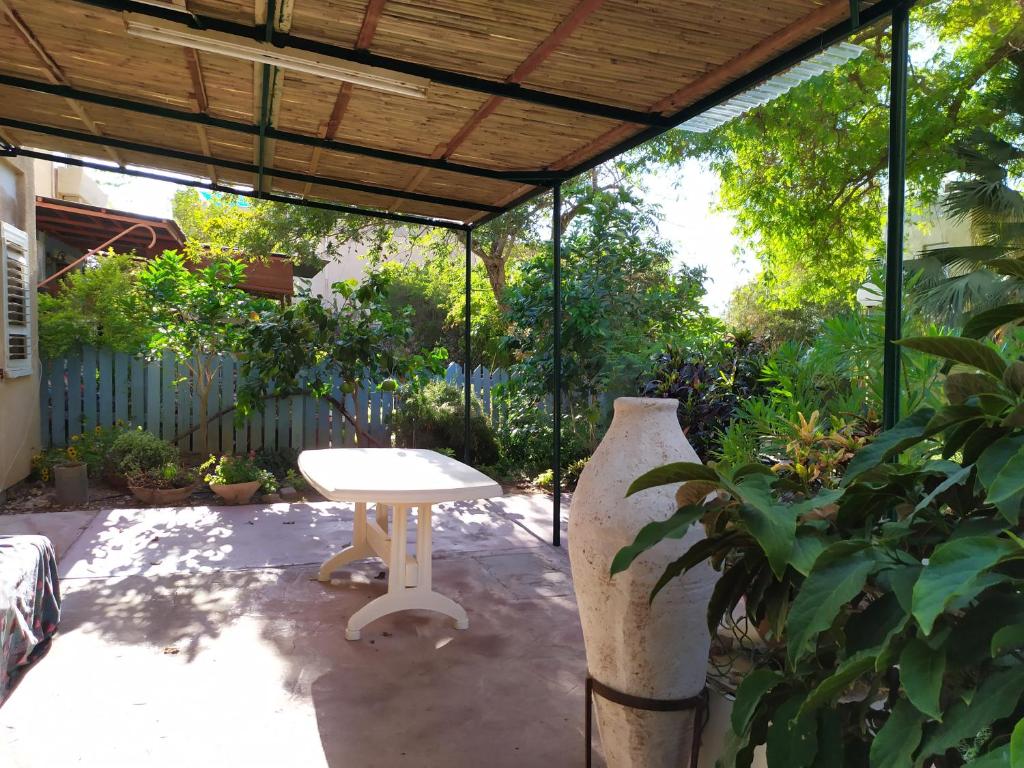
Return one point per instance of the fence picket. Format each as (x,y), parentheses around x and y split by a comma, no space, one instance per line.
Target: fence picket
(105,387)
(121,363)
(88,389)
(99,387)
(168,367)
(58,407)
(153,397)
(74,395)
(137,393)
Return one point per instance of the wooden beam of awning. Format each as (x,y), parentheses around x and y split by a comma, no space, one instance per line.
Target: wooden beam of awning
(191,157)
(284,41)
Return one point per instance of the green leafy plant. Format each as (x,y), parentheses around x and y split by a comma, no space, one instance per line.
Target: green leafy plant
(164,477)
(229,470)
(433,416)
(92,447)
(199,313)
(137,451)
(890,605)
(709,385)
(101,305)
(329,351)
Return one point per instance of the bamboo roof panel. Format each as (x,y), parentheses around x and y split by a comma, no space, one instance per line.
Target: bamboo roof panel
(650,56)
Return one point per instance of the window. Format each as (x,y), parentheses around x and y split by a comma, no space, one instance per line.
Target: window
(15,302)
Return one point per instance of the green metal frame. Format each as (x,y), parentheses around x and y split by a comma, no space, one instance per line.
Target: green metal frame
(896,212)
(556,363)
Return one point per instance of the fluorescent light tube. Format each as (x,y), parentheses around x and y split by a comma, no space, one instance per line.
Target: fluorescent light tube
(266,53)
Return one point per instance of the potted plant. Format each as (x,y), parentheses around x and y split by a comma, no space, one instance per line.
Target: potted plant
(168,485)
(891,604)
(135,452)
(71,479)
(236,478)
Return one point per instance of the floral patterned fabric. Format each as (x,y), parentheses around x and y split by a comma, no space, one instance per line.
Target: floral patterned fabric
(29,605)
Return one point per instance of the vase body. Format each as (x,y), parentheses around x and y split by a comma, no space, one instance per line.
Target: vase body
(656,650)
(71,482)
(236,493)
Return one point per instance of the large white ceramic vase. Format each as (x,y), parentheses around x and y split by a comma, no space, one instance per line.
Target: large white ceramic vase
(657,650)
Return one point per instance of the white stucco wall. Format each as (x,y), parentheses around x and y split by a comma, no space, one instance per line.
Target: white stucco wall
(19,397)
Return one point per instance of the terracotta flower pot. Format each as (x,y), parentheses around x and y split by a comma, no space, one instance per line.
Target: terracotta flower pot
(659,649)
(163,497)
(236,493)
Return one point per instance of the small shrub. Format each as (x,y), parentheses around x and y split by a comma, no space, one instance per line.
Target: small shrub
(526,434)
(137,451)
(277,461)
(710,387)
(295,479)
(229,470)
(91,447)
(434,417)
(570,476)
(169,475)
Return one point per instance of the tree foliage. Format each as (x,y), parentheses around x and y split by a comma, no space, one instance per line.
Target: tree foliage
(620,295)
(101,306)
(805,175)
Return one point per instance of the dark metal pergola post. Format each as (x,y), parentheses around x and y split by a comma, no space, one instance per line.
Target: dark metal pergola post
(467,454)
(894,229)
(556,365)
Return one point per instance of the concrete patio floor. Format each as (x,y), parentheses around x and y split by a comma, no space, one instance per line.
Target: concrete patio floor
(200,637)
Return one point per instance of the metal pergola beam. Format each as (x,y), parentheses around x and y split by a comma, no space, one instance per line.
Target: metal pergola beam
(422,221)
(199,118)
(467,368)
(556,363)
(133,146)
(459,80)
(895,215)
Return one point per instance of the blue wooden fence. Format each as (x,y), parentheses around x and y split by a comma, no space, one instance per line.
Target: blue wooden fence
(98,387)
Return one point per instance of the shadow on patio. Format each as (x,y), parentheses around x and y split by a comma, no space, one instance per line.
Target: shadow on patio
(200,636)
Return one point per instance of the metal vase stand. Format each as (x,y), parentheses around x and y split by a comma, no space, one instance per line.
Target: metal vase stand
(698,703)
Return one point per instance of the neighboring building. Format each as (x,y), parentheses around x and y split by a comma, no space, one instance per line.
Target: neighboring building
(19,355)
(349,262)
(935,229)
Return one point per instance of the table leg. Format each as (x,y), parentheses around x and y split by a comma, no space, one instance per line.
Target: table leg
(402,598)
(359,549)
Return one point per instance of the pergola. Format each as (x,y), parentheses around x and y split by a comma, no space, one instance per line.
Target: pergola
(444,113)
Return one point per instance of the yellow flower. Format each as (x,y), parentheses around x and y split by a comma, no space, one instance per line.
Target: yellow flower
(74,438)
(72,453)
(44,474)
(98,430)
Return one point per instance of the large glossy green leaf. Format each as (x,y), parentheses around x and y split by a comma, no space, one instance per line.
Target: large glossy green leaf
(954,479)
(981,323)
(959,350)
(1007,488)
(960,386)
(1007,639)
(985,322)
(792,737)
(653,533)
(1017,745)
(1000,757)
(876,624)
(995,457)
(996,697)
(749,694)
(837,577)
(904,434)
(678,472)
(921,673)
(953,570)
(832,687)
(894,744)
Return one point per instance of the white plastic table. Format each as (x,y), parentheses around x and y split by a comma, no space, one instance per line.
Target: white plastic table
(398,479)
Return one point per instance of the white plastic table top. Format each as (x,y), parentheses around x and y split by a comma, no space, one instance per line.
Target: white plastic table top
(393,476)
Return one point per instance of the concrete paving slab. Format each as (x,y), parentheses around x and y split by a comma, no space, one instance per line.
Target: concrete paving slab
(206,655)
(61,528)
